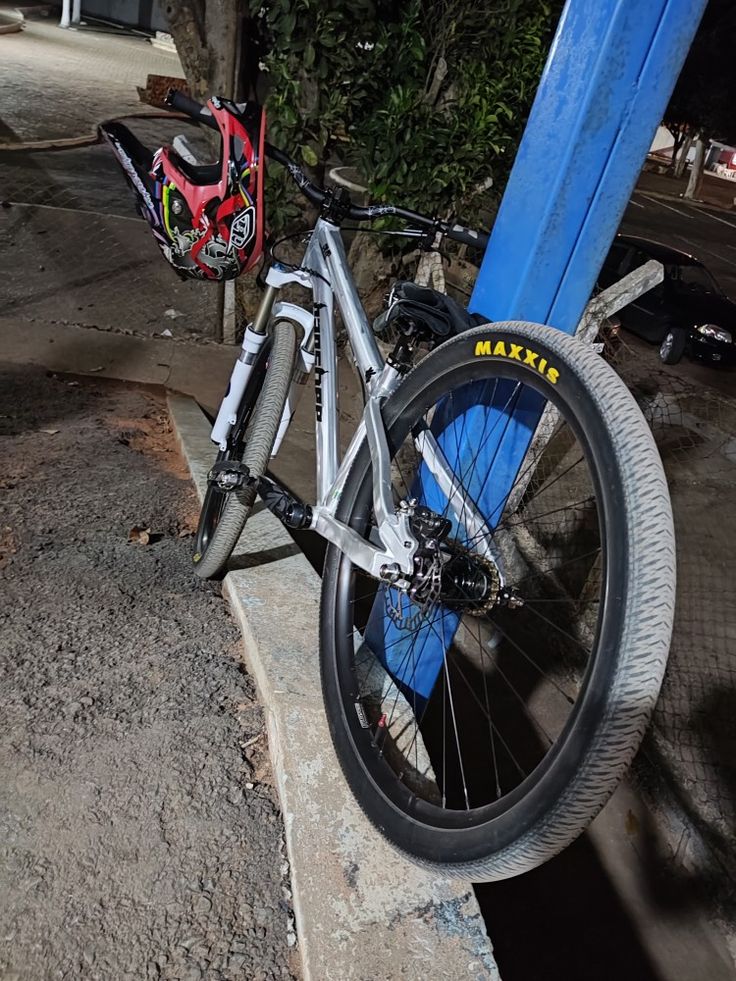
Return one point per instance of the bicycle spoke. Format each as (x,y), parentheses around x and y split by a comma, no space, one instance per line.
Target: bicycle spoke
(492,713)
(454,722)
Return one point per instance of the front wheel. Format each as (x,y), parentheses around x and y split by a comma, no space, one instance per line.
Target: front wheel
(224,513)
(484,714)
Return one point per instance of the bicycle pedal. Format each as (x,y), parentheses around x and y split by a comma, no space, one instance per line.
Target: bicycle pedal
(229,475)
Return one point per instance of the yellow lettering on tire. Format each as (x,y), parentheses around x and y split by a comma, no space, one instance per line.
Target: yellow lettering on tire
(517,352)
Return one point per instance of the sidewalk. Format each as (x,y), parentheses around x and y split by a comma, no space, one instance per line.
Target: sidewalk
(72,248)
(717,194)
(196,369)
(59,84)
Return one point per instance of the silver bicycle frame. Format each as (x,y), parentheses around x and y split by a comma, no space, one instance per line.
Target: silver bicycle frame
(326,273)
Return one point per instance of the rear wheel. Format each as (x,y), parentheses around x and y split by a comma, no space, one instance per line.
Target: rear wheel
(484,715)
(224,513)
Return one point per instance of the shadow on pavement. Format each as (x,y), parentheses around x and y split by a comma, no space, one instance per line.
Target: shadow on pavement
(563,922)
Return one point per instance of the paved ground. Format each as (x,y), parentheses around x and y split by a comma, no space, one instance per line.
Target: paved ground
(678,848)
(139,832)
(88,178)
(73,249)
(364,912)
(680,866)
(104,270)
(83,76)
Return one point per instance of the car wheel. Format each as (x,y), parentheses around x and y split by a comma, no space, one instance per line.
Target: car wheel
(673,346)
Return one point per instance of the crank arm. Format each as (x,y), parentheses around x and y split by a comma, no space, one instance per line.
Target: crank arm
(295,513)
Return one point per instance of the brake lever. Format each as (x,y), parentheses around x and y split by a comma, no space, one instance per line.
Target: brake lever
(431,239)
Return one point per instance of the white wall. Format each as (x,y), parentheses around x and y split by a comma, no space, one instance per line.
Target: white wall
(147,14)
(663,140)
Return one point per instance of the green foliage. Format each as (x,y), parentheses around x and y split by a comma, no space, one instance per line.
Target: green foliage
(702,100)
(427,98)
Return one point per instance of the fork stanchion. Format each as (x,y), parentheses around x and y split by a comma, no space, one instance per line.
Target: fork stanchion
(604,89)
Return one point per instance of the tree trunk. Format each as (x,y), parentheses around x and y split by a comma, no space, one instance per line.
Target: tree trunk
(682,158)
(207,38)
(678,134)
(696,172)
(222,33)
(65,14)
(76,11)
(207,35)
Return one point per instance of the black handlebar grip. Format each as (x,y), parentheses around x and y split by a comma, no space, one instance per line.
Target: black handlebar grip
(478,240)
(190,107)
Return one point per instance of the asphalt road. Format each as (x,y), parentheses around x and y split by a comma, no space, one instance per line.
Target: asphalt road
(714,190)
(703,232)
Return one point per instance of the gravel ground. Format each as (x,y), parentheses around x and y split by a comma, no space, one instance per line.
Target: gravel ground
(140,835)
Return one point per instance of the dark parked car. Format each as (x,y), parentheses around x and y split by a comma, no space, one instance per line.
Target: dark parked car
(686,312)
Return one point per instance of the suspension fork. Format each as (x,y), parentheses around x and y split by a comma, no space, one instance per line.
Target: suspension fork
(255,335)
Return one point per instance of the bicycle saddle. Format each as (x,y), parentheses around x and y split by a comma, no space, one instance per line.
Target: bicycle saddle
(418,309)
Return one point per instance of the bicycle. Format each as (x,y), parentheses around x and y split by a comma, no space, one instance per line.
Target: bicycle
(489,662)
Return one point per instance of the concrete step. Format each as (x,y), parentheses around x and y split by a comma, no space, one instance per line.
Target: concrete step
(362,910)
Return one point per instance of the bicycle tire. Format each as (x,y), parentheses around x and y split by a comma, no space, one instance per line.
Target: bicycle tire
(261,411)
(673,345)
(621,683)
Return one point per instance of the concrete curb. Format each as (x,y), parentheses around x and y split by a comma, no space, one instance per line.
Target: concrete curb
(11,21)
(88,139)
(199,370)
(362,911)
(62,143)
(693,202)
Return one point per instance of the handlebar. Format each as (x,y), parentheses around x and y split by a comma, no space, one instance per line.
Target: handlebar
(180,102)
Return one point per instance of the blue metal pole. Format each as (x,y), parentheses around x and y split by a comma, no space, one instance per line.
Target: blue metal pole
(609,76)
(610,72)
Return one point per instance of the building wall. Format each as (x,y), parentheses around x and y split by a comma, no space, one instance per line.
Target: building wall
(663,140)
(146,14)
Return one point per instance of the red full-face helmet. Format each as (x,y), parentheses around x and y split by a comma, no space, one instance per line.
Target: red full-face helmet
(208,220)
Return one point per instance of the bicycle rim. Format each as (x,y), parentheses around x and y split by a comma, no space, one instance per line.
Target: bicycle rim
(514,687)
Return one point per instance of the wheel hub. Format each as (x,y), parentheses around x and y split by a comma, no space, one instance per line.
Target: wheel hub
(470,582)
(445,572)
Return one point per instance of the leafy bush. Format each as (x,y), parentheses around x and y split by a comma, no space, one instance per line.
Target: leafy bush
(427,99)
